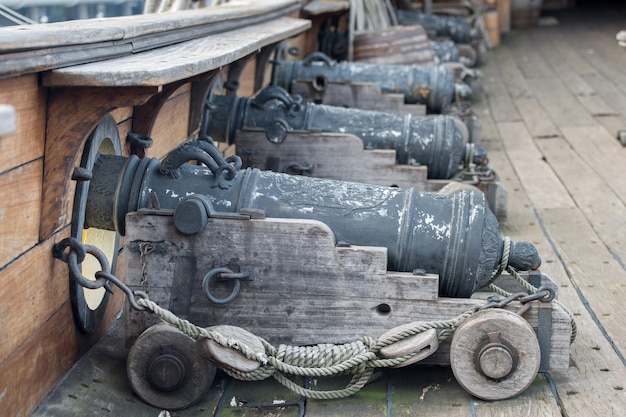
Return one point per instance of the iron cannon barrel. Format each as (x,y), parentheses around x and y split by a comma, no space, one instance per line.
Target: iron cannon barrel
(438,142)
(432,85)
(454,236)
(455,28)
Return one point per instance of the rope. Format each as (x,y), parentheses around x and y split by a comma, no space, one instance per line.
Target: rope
(359,357)
(504,262)
(504,266)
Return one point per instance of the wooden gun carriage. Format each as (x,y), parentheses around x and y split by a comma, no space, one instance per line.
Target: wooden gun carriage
(302,288)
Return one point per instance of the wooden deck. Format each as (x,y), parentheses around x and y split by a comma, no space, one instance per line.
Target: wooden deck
(556,96)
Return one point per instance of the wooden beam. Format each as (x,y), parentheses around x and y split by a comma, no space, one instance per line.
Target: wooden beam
(33,369)
(171,123)
(22,288)
(35,48)
(145,114)
(21,209)
(200,90)
(181,61)
(262,60)
(331,155)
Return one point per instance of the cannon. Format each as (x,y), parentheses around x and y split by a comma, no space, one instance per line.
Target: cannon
(455,28)
(309,261)
(454,236)
(431,85)
(437,142)
(471,47)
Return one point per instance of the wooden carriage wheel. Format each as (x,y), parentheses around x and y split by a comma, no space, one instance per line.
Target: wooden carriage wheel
(495,354)
(165,370)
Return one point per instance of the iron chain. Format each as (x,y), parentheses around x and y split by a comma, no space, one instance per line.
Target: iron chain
(73,252)
(544,294)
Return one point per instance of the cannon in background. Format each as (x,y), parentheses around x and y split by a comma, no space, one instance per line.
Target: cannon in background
(437,142)
(470,44)
(431,85)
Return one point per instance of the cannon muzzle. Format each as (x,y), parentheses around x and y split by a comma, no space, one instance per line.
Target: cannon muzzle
(438,142)
(454,236)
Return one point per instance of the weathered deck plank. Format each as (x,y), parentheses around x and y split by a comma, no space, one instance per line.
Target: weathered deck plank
(539,180)
(428,391)
(371,401)
(535,117)
(501,105)
(545,44)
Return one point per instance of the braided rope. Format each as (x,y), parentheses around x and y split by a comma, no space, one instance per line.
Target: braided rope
(504,262)
(358,357)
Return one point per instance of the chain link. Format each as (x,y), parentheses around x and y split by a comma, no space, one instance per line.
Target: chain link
(544,294)
(103,278)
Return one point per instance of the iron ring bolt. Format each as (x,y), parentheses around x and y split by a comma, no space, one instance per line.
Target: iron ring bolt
(545,294)
(223,273)
(104,263)
(75,256)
